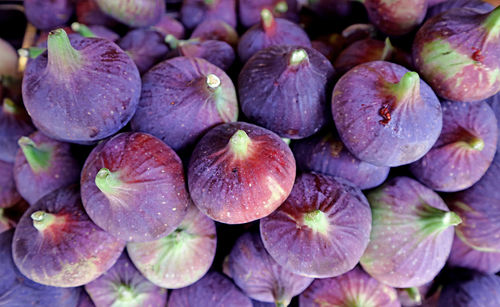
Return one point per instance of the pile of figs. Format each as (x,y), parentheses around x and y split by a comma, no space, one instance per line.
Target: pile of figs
(199,153)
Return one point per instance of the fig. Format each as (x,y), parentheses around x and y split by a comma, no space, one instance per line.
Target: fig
(416,296)
(123,285)
(327,8)
(134,13)
(464,150)
(213,290)
(56,243)
(182,98)
(285,88)
(8,192)
(330,45)
(48,15)
(180,258)
(240,173)
(435,2)
(169,25)
(89,13)
(194,12)
(325,153)
(11,215)
(14,123)
(133,187)
(250,10)
(457,53)
(85,300)
(82,90)
(8,64)
(94,31)
(462,255)
(354,288)
(259,276)
(411,234)
(385,114)
(271,32)
(322,228)
(18,291)
(214,29)
(43,165)
(445,6)
(146,47)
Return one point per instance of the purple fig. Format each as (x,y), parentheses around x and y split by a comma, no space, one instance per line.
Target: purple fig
(446,5)
(89,90)
(216,30)
(325,153)
(462,255)
(8,63)
(14,123)
(327,8)
(411,234)
(182,98)
(385,114)
(85,300)
(56,243)
(123,285)
(48,15)
(259,276)
(250,10)
(146,47)
(133,187)
(270,32)
(181,258)
(194,12)
(396,17)
(134,13)
(240,173)
(415,296)
(8,193)
(285,88)
(89,13)
(457,53)
(213,290)
(494,102)
(169,25)
(94,31)
(354,288)
(464,150)
(322,228)
(358,31)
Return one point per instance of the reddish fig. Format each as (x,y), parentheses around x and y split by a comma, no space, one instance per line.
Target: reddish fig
(194,12)
(8,193)
(250,10)
(89,13)
(48,15)
(462,255)
(134,13)
(14,123)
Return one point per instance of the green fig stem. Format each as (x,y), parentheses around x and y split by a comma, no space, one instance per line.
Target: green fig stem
(42,220)
(492,22)
(388,50)
(10,107)
(107,181)
(172,41)
(31,52)
(280,304)
(213,82)
(82,29)
(37,157)
(268,22)
(414,294)
(298,57)
(408,86)
(434,220)
(317,221)
(125,293)
(286,140)
(209,2)
(281,7)
(239,144)
(61,55)
(474,143)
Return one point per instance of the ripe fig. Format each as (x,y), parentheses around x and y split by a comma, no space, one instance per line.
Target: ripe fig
(134,13)
(444,6)
(48,15)
(250,10)
(145,46)
(94,31)
(8,192)
(462,255)
(214,29)
(14,123)
(194,12)
(89,13)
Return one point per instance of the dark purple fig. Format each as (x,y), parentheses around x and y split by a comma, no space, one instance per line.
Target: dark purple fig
(457,53)
(240,172)
(328,8)
(169,25)
(18,291)
(359,31)
(85,300)
(89,13)
(285,89)
(134,13)
(56,243)
(213,290)
(330,45)
(494,102)
(250,10)
(123,285)
(396,17)
(446,5)
(48,14)
(14,123)
(354,288)
(271,32)
(81,91)
(215,29)
(94,31)
(182,98)
(479,208)
(8,193)
(436,2)
(462,255)
(464,150)
(259,276)
(194,12)
(133,187)
(145,46)
(9,217)
(322,228)
(325,153)
(181,258)
(385,114)
(411,234)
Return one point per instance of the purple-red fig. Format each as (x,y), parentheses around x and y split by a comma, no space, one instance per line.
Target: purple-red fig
(134,13)
(89,13)
(250,10)
(194,12)
(8,192)
(48,15)
(14,123)
(462,255)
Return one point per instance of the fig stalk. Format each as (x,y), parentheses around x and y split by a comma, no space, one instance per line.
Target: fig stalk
(31,52)
(10,107)
(82,29)
(239,144)
(317,221)
(474,143)
(268,22)
(388,49)
(407,87)
(38,158)
(298,57)
(414,294)
(42,220)
(281,7)
(61,55)
(107,181)
(172,41)
(436,220)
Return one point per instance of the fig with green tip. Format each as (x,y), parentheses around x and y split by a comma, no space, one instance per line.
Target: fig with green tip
(14,123)
(8,192)
(134,13)
(194,12)
(169,25)
(47,15)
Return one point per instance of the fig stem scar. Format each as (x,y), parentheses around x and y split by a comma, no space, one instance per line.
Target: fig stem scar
(38,158)
(107,181)
(172,41)
(42,219)
(238,144)
(317,221)
(213,81)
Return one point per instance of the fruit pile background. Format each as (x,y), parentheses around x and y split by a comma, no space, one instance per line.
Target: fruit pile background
(250,153)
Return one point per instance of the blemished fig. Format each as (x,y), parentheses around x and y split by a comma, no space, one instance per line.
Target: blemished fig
(385,114)
(14,123)
(194,12)
(464,256)
(240,173)
(134,13)
(8,192)
(81,90)
(48,15)
(250,10)
(145,46)
(215,29)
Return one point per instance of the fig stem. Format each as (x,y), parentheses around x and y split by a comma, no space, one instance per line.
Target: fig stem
(435,220)
(172,41)
(281,7)
(213,81)
(209,2)
(280,304)
(42,219)
(317,221)
(31,52)
(286,140)
(239,143)
(38,158)
(475,143)
(298,56)
(408,86)
(388,49)
(61,55)
(492,22)
(10,107)
(414,294)
(82,29)
(107,181)
(125,293)
(268,22)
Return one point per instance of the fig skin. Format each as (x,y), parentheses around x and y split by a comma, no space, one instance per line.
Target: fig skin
(460,69)
(47,15)
(213,290)
(464,150)
(89,13)
(250,10)
(85,300)
(322,228)
(385,114)
(123,285)
(18,291)
(259,276)
(14,123)
(219,53)
(325,153)
(465,256)
(240,172)
(63,247)
(181,258)
(133,187)
(180,109)
(146,47)
(8,192)
(269,32)
(447,5)
(354,288)
(134,13)
(82,92)
(411,235)
(285,89)
(397,17)
(216,30)
(194,12)
(43,165)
